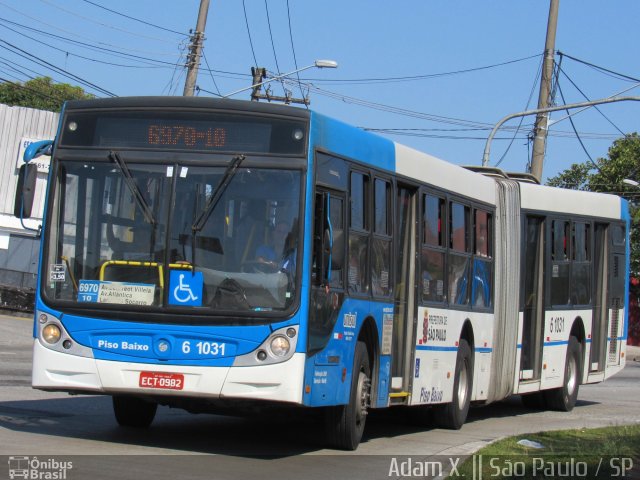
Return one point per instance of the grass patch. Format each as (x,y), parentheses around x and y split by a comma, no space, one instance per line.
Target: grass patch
(582,453)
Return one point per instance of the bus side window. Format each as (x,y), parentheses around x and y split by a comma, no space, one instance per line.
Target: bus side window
(459,254)
(381,243)
(433,248)
(358,234)
(481,289)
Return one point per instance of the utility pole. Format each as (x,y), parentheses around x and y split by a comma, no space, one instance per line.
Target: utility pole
(540,141)
(195,50)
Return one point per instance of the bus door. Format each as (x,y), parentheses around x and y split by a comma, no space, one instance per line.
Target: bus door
(404,317)
(533,298)
(616,291)
(599,327)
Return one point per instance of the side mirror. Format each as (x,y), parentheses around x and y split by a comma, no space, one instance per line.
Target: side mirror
(25,190)
(36,149)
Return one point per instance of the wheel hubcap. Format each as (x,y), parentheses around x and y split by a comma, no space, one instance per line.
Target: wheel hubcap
(572,375)
(462,386)
(363,395)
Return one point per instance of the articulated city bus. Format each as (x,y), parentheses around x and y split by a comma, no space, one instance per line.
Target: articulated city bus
(215,254)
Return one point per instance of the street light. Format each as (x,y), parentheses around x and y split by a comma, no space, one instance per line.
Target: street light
(316,64)
(628,181)
(487,147)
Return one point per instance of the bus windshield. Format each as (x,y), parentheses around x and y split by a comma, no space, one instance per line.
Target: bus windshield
(151,236)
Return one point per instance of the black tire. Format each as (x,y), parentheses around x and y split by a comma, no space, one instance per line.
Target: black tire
(534,401)
(345,423)
(453,415)
(133,412)
(564,398)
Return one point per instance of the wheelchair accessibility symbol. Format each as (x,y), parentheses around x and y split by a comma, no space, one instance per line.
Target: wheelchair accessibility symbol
(185,288)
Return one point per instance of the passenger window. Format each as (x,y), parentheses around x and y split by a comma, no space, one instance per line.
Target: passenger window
(434,211)
(357,281)
(481,290)
(459,230)
(381,242)
(482,233)
(382,203)
(359,183)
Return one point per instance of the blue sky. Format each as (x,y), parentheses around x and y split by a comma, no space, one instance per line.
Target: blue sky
(373,41)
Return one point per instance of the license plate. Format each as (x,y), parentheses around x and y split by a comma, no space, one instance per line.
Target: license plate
(166,381)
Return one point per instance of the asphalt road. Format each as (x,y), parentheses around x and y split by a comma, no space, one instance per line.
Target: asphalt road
(81,429)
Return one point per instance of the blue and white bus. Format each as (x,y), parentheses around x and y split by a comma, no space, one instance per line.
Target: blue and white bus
(210,254)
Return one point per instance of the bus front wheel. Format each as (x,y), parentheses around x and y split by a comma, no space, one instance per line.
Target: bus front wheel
(133,412)
(345,423)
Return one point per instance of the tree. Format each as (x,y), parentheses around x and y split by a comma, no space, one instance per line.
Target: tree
(40,93)
(607,175)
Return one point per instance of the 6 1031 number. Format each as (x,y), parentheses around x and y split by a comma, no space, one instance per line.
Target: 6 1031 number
(207,349)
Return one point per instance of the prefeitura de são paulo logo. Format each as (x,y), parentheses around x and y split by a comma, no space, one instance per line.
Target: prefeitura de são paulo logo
(38,469)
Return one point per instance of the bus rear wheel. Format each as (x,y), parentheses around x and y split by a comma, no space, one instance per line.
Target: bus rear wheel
(564,398)
(345,423)
(133,412)
(453,415)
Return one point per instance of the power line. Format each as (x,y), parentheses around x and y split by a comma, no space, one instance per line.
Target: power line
(396,79)
(293,49)
(533,89)
(246,21)
(588,100)
(576,131)
(74,33)
(136,19)
(94,60)
(211,72)
(13,64)
(412,78)
(273,45)
(173,74)
(71,12)
(574,113)
(58,70)
(602,69)
(425,133)
(392,109)
(84,44)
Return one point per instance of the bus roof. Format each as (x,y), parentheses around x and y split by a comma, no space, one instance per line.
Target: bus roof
(576,202)
(188,103)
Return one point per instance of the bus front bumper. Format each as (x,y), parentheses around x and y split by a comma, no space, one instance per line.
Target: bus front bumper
(282,382)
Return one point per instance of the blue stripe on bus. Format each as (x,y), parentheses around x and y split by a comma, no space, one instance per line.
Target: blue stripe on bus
(451,349)
(437,349)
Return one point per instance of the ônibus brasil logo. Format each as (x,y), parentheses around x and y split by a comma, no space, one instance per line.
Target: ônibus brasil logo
(34,469)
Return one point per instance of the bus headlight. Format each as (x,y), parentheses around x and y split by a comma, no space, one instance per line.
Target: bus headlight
(276,348)
(51,333)
(280,346)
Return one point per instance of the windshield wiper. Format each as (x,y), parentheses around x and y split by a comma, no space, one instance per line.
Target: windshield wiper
(199,223)
(133,187)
